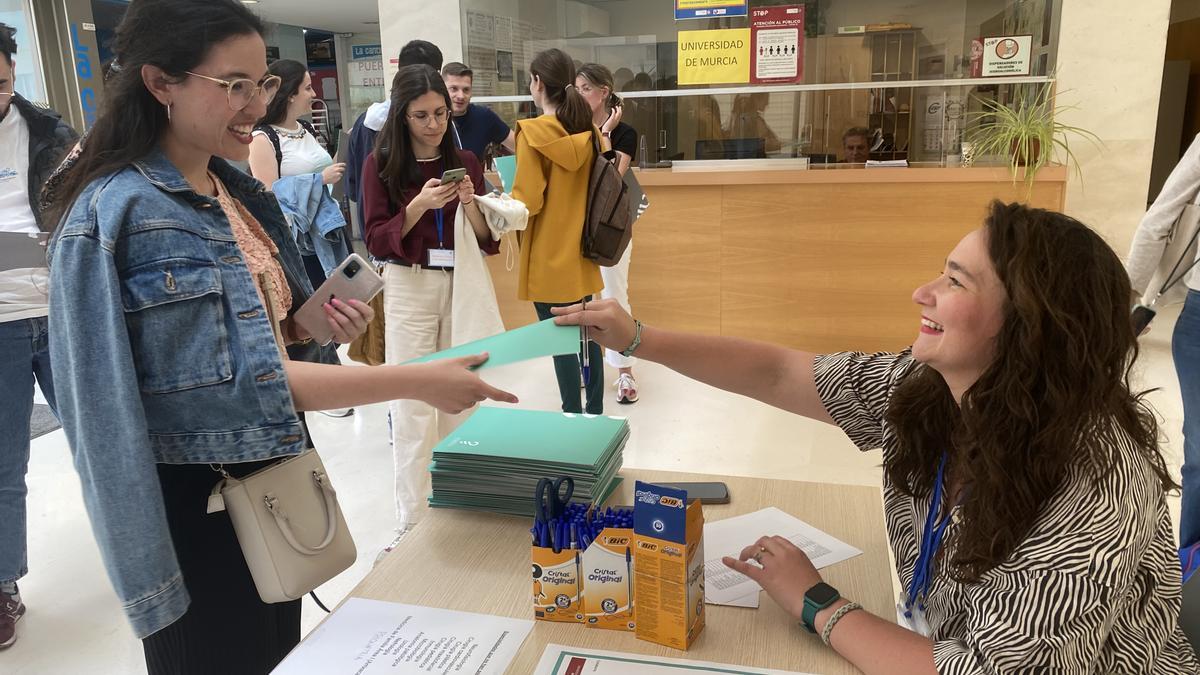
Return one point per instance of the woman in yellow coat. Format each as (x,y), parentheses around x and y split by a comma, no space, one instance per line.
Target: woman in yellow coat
(554,160)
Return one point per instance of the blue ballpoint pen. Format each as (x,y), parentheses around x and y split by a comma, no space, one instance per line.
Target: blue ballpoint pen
(587,366)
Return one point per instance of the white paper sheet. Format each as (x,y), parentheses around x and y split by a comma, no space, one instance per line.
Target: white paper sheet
(728,537)
(371,637)
(560,660)
(749,600)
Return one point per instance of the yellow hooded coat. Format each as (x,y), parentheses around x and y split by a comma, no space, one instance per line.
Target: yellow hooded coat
(553,168)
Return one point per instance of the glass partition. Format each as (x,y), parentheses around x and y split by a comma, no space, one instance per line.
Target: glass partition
(876,79)
(27,79)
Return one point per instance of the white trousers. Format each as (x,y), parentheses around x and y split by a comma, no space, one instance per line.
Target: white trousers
(416,305)
(616,287)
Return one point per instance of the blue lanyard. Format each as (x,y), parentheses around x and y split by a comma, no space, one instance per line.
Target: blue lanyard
(931,541)
(437,218)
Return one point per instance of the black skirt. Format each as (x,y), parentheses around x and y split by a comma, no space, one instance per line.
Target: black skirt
(227,629)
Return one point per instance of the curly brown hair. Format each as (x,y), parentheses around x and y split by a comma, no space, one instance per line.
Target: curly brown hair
(1057,394)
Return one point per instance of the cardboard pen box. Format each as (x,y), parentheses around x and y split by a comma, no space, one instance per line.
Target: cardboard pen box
(608,597)
(668,564)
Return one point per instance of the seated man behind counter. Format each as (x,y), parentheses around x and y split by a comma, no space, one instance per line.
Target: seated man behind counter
(477,126)
(856,145)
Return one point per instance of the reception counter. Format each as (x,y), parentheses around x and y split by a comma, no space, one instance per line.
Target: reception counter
(818,259)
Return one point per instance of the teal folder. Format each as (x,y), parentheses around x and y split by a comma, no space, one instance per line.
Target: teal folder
(495,458)
(507,168)
(527,342)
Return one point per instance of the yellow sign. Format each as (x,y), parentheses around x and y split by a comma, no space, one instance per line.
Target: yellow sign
(714,56)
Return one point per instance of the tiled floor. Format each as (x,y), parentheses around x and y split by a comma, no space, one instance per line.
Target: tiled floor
(74,624)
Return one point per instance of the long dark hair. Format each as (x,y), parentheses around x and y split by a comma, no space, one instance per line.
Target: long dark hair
(600,76)
(393,148)
(1057,395)
(176,36)
(556,71)
(291,75)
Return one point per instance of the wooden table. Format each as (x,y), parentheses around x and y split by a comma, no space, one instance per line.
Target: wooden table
(479,562)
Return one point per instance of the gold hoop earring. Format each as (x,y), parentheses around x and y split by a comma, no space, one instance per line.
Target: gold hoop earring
(168,113)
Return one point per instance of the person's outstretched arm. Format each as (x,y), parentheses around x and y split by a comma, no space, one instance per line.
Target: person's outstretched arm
(769,373)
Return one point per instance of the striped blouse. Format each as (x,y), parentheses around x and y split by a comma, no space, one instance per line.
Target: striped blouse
(1094,587)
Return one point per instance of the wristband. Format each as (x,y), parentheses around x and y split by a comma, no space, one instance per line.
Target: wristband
(637,339)
(837,616)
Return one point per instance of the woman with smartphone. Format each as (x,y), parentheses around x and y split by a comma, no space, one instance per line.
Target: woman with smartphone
(172,279)
(555,153)
(413,184)
(595,84)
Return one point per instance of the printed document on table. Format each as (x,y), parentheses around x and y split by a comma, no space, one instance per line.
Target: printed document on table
(561,660)
(728,537)
(371,637)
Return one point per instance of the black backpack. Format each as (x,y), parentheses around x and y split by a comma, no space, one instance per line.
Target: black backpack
(273,136)
(608,221)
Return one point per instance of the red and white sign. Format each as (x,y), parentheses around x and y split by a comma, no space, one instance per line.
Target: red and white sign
(1002,56)
(777,44)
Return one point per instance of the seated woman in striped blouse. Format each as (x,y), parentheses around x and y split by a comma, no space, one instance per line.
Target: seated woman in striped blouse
(1023,485)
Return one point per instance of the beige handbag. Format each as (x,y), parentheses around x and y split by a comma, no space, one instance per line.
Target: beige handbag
(289,525)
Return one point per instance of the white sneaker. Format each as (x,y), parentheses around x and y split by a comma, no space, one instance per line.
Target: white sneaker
(627,391)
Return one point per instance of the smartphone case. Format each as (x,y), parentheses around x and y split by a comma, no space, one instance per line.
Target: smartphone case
(365,284)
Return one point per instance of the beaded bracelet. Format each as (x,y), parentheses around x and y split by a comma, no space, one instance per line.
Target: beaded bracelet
(837,616)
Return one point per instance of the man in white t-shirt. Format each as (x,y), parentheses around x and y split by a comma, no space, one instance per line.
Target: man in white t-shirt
(32,142)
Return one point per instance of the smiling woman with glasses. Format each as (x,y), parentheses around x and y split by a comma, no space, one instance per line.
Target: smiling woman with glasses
(412,220)
(173,281)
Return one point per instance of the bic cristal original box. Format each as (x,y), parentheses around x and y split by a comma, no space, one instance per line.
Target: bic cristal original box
(668,564)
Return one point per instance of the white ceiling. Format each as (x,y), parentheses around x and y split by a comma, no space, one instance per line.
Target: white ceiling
(342,16)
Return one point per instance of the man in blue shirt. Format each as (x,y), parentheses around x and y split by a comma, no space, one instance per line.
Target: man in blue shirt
(477,126)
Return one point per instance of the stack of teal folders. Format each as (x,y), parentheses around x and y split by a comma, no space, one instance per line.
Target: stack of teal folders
(493,461)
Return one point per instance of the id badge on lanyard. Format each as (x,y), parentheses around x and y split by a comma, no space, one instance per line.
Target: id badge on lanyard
(910,607)
(440,256)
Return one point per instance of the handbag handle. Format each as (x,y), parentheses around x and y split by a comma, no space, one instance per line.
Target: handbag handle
(1171,278)
(285,527)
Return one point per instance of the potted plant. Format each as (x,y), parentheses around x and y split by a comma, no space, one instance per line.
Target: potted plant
(1026,132)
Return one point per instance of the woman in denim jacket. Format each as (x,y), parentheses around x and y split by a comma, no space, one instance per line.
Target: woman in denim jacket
(165,268)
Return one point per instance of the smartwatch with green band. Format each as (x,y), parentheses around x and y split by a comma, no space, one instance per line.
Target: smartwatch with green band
(816,599)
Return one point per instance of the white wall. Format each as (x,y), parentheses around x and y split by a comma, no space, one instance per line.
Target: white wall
(438,22)
(1116,95)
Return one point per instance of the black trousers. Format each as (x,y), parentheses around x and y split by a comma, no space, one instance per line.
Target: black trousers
(566,370)
(227,629)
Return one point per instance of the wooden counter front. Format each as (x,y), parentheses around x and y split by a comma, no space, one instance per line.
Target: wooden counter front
(823,260)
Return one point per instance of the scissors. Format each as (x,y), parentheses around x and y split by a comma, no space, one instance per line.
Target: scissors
(549,504)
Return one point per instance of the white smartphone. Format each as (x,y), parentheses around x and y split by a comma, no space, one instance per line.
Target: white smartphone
(354,279)
(453,176)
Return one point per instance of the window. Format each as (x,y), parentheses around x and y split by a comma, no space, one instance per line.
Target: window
(924,55)
(17,14)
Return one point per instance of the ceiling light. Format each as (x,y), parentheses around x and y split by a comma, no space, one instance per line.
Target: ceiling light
(249,2)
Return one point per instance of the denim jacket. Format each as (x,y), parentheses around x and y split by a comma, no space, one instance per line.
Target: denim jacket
(162,353)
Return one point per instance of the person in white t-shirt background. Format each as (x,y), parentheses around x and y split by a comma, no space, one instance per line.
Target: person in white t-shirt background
(32,142)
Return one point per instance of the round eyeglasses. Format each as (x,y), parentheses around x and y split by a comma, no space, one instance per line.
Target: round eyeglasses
(241,91)
(423,118)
